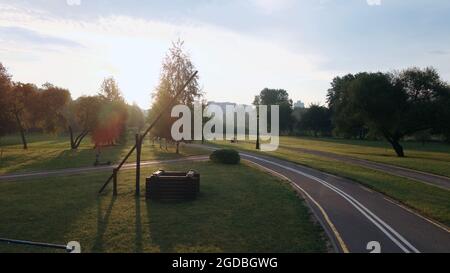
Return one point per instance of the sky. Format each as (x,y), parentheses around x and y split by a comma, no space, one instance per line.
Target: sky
(238,46)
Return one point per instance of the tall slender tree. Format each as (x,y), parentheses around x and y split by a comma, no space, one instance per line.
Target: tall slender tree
(177,68)
(22,99)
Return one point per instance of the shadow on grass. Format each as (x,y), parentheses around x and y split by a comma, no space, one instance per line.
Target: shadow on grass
(138,223)
(408,145)
(44,211)
(182,226)
(33,160)
(102,224)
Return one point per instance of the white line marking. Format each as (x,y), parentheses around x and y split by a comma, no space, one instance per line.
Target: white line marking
(437,224)
(361,208)
(308,196)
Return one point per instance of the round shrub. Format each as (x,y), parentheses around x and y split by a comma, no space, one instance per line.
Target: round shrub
(226,156)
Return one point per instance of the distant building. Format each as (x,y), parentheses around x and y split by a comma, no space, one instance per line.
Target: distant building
(223,105)
(299,104)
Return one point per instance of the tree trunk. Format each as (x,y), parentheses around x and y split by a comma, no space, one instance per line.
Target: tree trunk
(80,138)
(397,147)
(72,142)
(22,132)
(75,143)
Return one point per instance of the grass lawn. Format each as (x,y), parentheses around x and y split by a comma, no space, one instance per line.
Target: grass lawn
(240,209)
(426,199)
(431,157)
(47,152)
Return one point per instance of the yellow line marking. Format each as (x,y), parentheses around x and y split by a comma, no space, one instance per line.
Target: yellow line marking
(325,215)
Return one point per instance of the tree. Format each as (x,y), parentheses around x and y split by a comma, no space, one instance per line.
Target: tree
(277,97)
(21,102)
(112,117)
(49,108)
(346,121)
(428,100)
(136,118)
(83,118)
(6,121)
(177,68)
(398,104)
(109,91)
(316,119)
(297,114)
(443,120)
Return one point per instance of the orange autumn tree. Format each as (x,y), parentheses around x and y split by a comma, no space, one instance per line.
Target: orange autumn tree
(112,117)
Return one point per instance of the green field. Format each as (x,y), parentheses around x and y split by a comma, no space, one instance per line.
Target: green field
(431,157)
(429,200)
(49,152)
(240,209)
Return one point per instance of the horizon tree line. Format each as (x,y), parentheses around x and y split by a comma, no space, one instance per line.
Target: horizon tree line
(390,106)
(50,109)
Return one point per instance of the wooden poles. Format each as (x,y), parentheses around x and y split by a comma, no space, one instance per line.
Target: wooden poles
(258,145)
(139,139)
(167,107)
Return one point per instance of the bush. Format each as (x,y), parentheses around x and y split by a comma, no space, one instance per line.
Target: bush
(225,156)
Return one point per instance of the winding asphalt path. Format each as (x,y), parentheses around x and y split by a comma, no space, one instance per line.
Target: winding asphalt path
(436,180)
(355,217)
(63,172)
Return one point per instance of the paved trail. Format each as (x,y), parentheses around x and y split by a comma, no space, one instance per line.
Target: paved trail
(436,180)
(32,175)
(354,216)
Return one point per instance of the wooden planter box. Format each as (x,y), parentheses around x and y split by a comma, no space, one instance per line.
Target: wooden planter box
(172,186)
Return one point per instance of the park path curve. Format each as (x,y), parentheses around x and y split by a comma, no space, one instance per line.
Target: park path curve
(354,216)
(429,178)
(83,170)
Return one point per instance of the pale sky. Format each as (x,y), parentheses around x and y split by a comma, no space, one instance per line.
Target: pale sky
(238,46)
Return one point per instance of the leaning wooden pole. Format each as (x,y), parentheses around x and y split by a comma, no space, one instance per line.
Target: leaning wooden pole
(166,108)
(138,163)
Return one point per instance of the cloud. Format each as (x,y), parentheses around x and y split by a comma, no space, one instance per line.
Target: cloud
(73,2)
(21,35)
(374,2)
(131,49)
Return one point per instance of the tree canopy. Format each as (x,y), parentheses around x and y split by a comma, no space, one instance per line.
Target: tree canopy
(50,109)
(281,98)
(316,119)
(393,105)
(6,123)
(176,70)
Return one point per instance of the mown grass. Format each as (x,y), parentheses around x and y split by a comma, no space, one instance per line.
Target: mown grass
(49,152)
(429,200)
(430,157)
(240,209)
